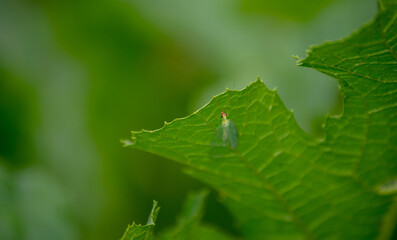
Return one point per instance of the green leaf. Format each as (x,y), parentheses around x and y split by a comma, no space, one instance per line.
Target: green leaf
(189,224)
(282,183)
(207,232)
(365,64)
(189,220)
(145,232)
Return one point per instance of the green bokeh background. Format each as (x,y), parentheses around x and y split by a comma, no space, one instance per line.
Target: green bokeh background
(78,76)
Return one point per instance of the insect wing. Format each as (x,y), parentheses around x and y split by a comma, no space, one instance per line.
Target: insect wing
(232,135)
(226,137)
(219,147)
(218,140)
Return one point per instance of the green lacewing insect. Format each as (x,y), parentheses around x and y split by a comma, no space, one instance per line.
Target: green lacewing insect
(226,134)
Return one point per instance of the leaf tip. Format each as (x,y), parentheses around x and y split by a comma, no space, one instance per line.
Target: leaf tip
(230,90)
(153,213)
(127,142)
(296,57)
(301,61)
(259,80)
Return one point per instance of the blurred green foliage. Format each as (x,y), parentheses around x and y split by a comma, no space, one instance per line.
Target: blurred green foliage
(287,9)
(75,76)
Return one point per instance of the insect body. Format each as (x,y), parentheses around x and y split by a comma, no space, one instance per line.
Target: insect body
(226,134)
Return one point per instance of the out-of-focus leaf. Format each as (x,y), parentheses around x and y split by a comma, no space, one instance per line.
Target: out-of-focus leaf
(286,9)
(189,220)
(144,232)
(189,224)
(187,227)
(207,232)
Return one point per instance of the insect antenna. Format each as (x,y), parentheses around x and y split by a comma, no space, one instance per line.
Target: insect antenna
(218,107)
(230,97)
(222,108)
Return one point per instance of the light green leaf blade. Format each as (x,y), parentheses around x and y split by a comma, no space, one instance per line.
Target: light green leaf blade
(365,64)
(142,232)
(281,183)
